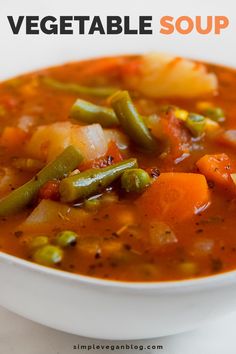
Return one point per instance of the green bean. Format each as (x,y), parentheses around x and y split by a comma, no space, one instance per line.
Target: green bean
(78,89)
(92,181)
(135,180)
(38,242)
(17,200)
(48,255)
(196,124)
(131,121)
(89,113)
(66,238)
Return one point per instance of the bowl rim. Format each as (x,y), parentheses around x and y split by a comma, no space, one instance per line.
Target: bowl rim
(201,283)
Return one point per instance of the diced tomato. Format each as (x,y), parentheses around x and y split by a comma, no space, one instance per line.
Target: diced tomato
(217,168)
(8,101)
(114,151)
(131,68)
(175,135)
(50,190)
(112,156)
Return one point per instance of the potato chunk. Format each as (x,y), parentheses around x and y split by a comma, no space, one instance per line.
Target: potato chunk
(49,141)
(162,75)
(49,214)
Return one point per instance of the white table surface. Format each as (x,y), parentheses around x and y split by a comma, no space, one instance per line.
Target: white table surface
(20,336)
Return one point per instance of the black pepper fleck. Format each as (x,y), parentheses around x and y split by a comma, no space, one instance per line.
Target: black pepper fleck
(18,233)
(211,184)
(216,264)
(199,231)
(97,255)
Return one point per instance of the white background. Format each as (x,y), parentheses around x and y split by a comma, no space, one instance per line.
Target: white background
(23,53)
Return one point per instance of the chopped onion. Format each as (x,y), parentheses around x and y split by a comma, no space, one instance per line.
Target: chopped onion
(8,180)
(118,137)
(229,138)
(161,235)
(233,176)
(203,247)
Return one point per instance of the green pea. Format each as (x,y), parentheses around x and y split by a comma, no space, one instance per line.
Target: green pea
(215,113)
(135,180)
(196,124)
(188,268)
(38,242)
(48,255)
(66,238)
(148,270)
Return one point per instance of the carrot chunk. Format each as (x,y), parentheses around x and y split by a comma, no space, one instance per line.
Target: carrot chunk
(175,197)
(13,137)
(217,168)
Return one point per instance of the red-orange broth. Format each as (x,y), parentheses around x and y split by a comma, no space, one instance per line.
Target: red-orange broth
(115,237)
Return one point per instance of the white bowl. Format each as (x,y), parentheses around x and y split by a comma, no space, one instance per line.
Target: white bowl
(109,309)
(112,310)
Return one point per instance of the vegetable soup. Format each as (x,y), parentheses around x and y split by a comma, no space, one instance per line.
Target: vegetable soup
(121,168)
